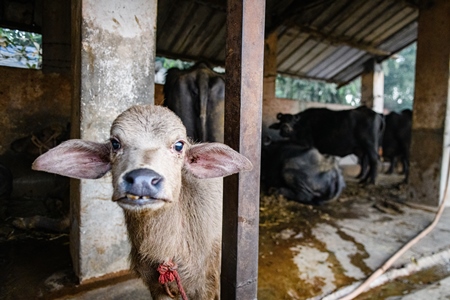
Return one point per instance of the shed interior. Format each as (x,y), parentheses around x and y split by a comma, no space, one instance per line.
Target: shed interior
(330,40)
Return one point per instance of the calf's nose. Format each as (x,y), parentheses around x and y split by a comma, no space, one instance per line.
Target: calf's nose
(143,182)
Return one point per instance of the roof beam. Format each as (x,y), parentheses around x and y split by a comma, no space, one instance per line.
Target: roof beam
(348,41)
(292,12)
(411,3)
(219,5)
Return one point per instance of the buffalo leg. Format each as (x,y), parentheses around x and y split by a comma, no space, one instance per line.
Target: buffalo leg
(392,163)
(405,161)
(373,167)
(362,160)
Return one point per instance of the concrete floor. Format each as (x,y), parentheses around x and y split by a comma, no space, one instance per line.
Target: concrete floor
(328,248)
(322,252)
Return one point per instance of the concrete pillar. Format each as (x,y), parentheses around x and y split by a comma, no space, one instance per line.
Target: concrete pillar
(114,54)
(372,87)
(430,129)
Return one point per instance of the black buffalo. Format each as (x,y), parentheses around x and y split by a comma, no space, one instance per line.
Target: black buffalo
(339,133)
(300,174)
(197,96)
(397,139)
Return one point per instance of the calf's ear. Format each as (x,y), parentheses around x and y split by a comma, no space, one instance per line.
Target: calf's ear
(209,160)
(77,159)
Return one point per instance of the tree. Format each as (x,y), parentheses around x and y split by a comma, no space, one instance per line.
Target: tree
(399,72)
(318,91)
(21,46)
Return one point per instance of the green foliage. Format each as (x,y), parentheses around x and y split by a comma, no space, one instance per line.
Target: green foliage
(24,47)
(399,71)
(173,63)
(399,75)
(318,91)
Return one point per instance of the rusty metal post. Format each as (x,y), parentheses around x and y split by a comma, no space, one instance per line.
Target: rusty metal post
(243,110)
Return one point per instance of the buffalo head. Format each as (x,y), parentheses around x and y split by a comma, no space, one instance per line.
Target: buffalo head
(286,124)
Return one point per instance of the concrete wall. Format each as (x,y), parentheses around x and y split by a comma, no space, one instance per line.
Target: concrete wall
(31,100)
(159,94)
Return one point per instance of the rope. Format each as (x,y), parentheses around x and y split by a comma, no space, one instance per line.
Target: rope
(168,273)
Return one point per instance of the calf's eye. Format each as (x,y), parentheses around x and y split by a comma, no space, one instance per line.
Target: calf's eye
(115,144)
(178,146)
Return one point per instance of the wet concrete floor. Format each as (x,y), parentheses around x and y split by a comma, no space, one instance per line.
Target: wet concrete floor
(312,251)
(305,252)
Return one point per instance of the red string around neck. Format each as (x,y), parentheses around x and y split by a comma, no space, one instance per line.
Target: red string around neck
(168,273)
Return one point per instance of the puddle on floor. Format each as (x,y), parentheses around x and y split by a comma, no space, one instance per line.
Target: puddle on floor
(303,250)
(295,261)
(405,285)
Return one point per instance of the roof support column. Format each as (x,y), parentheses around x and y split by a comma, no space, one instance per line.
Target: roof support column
(56,36)
(113,62)
(430,130)
(270,66)
(271,104)
(372,87)
(270,78)
(243,109)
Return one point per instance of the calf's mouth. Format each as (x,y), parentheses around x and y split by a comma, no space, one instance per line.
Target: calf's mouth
(138,200)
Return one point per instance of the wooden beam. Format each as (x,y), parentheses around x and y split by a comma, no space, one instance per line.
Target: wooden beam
(243,110)
(341,40)
(220,5)
(411,3)
(56,37)
(185,57)
(292,12)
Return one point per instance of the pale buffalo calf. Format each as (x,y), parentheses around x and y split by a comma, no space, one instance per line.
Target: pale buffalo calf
(170,191)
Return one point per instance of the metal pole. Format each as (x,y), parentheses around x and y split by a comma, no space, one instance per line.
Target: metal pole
(243,111)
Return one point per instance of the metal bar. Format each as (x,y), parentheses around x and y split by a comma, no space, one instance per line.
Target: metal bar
(243,110)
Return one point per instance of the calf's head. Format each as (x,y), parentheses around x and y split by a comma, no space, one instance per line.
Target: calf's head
(148,153)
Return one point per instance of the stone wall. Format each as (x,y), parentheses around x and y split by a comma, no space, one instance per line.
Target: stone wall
(31,100)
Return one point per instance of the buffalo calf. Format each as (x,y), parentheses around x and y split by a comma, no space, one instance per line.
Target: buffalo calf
(170,191)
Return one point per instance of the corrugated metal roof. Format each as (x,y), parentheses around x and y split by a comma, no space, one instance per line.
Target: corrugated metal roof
(329,40)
